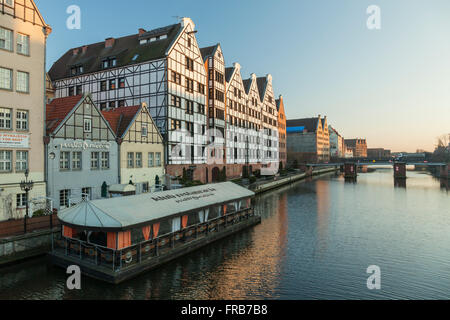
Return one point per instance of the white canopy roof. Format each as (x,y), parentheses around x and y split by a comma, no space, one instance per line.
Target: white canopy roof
(122,213)
(122,188)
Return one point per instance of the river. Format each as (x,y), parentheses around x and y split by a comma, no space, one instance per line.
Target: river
(316,240)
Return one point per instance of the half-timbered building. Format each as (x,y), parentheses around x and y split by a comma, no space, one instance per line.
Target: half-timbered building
(82,151)
(141,148)
(163,68)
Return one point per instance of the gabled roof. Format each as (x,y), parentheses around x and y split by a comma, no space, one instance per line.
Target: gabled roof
(58,109)
(229,73)
(124,50)
(261,82)
(310,124)
(120,119)
(247,85)
(208,51)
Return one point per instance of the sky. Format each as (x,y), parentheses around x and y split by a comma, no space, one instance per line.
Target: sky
(390,85)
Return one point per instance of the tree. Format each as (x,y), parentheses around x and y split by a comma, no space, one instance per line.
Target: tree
(157,180)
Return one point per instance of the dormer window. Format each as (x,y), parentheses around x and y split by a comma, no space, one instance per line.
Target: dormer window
(109,63)
(76,70)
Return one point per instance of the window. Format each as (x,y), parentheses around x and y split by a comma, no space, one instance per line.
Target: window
(21,161)
(158,159)
(145,187)
(189,85)
(130,160)
(103,85)
(6,39)
(21,200)
(121,103)
(86,193)
(144,130)
(138,159)
(21,120)
(112,84)
(112,104)
(76,160)
(189,107)
(219,77)
(79,90)
(201,88)
(87,125)
(5,79)
(150,159)
(5,118)
(176,77)
(105,160)
(219,96)
(64,198)
(9,2)
(64,159)
(189,64)
(23,82)
(103,106)
(76,70)
(176,124)
(121,82)
(109,62)
(201,108)
(5,161)
(94,161)
(190,128)
(176,101)
(71,91)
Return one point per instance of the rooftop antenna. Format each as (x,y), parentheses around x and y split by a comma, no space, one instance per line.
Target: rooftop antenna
(177,17)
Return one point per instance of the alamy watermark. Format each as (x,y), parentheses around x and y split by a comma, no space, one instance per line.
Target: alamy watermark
(374,19)
(73,22)
(74,280)
(374,281)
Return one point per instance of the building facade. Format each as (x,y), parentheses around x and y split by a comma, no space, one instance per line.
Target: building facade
(23,38)
(282,132)
(379,154)
(337,150)
(141,148)
(308,140)
(186,91)
(82,151)
(358,146)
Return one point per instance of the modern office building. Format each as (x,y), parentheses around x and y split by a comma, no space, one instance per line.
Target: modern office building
(337,149)
(23,40)
(308,140)
(82,151)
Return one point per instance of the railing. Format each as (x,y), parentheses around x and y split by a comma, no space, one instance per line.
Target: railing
(119,259)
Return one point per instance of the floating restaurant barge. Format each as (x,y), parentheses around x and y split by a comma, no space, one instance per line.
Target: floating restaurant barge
(116,239)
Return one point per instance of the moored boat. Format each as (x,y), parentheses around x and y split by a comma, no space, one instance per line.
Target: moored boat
(116,239)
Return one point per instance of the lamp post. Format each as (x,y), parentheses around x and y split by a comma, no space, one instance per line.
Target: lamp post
(26,185)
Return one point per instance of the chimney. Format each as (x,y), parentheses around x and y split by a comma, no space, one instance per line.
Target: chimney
(75,51)
(142,31)
(109,42)
(84,49)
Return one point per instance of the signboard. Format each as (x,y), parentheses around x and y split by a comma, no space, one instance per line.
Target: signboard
(79,144)
(14,140)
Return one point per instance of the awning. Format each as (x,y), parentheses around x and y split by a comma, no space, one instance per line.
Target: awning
(122,188)
(118,214)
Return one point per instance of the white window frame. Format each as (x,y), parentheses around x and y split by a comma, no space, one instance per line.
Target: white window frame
(3,79)
(77,160)
(64,160)
(95,160)
(21,160)
(87,124)
(5,161)
(21,200)
(144,130)
(130,160)
(22,120)
(138,158)
(64,196)
(105,160)
(158,159)
(20,85)
(23,44)
(5,119)
(151,159)
(6,36)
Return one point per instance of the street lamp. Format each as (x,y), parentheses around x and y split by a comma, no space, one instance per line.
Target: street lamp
(26,185)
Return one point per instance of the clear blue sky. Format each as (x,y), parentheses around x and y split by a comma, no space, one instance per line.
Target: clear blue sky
(391,86)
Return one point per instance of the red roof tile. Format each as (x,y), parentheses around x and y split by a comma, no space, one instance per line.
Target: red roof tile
(58,109)
(120,118)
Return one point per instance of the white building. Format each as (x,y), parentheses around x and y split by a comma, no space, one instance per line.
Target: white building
(82,151)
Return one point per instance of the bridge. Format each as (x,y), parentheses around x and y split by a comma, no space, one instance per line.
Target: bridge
(350,168)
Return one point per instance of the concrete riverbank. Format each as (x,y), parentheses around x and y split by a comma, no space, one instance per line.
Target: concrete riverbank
(281,181)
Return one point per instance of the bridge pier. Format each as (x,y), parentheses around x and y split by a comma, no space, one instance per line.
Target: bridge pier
(350,170)
(400,170)
(444,173)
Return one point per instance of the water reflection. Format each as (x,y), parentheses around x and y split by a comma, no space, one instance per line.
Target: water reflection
(400,183)
(315,242)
